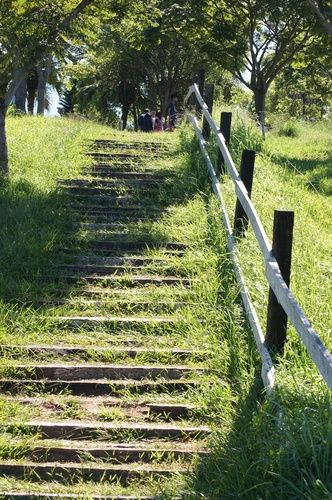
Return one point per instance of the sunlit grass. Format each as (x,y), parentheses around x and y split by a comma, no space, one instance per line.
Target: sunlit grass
(276,447)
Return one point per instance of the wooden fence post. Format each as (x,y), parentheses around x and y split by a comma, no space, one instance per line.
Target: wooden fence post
(282,248)
(246,174)
(225,129)
(200,82)
(209,93)
(192,99)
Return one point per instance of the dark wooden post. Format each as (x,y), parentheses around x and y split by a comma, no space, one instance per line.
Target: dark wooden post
(246,174)
(192,98)
(303,106)
(225,129)
(200,82)
(209,93)
(282,248)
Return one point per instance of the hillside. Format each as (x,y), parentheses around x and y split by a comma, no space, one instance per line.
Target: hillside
(277,447)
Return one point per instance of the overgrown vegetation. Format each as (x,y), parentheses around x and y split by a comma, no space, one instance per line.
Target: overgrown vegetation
(263,447)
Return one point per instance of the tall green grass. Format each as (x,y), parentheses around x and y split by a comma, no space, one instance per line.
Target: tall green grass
(282,448)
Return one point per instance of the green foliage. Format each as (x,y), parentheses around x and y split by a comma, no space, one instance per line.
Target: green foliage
(308,73)
(289,129)
(253,40)
(136,62)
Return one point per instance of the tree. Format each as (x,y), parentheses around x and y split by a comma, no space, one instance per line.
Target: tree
(30,31)
(254,40)
(309,73)
(322,12)
(138,61)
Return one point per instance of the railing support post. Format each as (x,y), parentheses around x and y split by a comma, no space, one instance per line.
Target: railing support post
(246,174)
(209,93)
(225,129)
(200,82)
(192,99)
(282,248)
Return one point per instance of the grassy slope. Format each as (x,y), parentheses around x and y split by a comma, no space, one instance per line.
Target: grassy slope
(288,441)
(261,453)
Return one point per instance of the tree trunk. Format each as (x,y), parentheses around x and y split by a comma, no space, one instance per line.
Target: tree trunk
(125,111)
(32,84)
(43,74)
(136,115)
(3,139)
(41,90)
(21,96)
(260,96)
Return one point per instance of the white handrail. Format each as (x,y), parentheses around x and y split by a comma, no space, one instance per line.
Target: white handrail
(309,337)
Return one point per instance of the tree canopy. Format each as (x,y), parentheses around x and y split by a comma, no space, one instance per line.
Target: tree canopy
(31,30)
(114,54)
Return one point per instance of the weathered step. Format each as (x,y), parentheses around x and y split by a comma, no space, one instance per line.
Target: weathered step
(107,270)
(117,218)
(120,166)
(17,495)
(114,156)
(78,190)
(104,171)
(124,260)
(109,186)
(99,352)
(85,372)
(120,306)
(115,453)
(100,226)
(96,388)
(79,430)
(114,321)
(136,179)
(121,195)
(128,199)
(152,270)
(127,281)
(152,147)
(126,211)
(113,474)
(109,408)
(137,245)
(119,294)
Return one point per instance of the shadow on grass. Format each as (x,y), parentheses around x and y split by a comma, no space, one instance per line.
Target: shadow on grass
(317,172)
(39,231)
(32,225)
(229,471)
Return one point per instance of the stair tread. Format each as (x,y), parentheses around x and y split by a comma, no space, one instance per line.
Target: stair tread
(77,424)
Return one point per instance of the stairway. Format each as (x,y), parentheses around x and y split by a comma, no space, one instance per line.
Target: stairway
(114,393)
